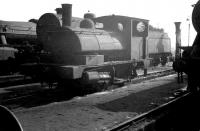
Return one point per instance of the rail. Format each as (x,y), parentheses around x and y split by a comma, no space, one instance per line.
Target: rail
(163,109)
(11,80)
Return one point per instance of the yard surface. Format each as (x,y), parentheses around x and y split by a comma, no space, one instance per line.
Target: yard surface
(102,110)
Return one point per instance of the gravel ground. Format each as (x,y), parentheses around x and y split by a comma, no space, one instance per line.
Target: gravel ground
(99,111)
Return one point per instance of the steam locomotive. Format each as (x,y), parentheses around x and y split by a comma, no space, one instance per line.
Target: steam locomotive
(59,47)
(190,62)
(54,32)
(16,44)
(102,50)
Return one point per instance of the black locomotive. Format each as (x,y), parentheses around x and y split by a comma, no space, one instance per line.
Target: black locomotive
(96,50)
(60,48)
(190,60)
(17,45)
(85,53)
(90,50)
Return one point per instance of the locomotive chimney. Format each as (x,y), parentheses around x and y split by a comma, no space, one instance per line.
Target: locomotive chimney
(178,40)
(66,14)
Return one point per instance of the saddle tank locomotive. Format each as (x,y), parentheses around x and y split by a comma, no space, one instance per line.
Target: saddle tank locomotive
(84,53)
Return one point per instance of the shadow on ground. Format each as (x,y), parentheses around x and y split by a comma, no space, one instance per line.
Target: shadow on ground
(142,101)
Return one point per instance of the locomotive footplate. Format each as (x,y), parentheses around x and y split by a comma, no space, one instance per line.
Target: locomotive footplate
(107,71)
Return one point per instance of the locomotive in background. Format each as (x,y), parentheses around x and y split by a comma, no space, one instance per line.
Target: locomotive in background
(18,44)
(159,47)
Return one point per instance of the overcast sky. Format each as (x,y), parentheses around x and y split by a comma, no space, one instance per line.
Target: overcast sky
(161,13)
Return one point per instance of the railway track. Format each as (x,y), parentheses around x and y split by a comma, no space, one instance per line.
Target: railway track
(153,75)
(23,97)
(19,92)
(171,116)
(34,97)
(11,80)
